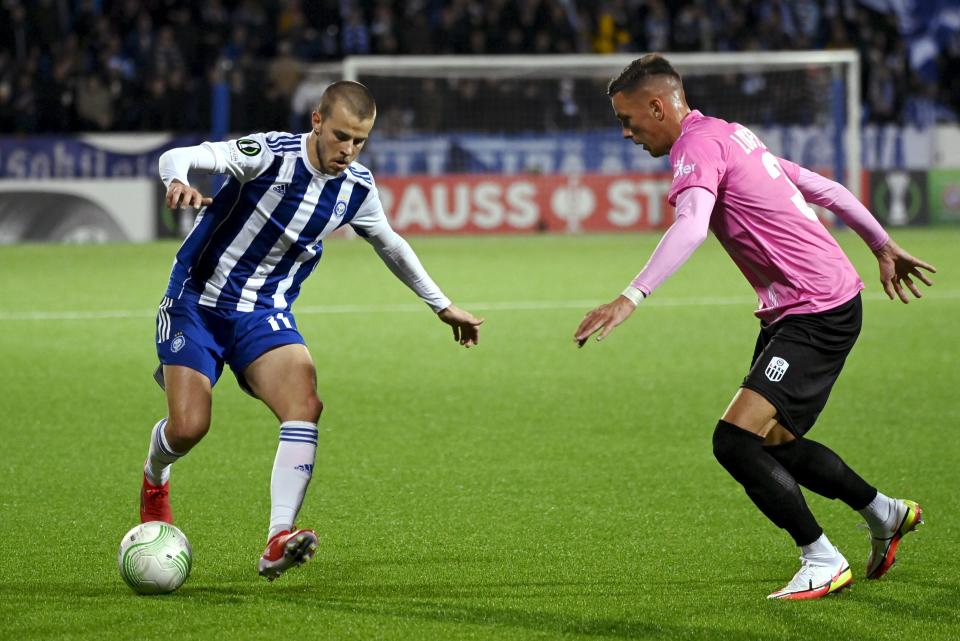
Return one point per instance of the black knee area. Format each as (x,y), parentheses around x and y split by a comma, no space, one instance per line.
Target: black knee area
(820,469)
(731,444)
(768,483)
(791,453)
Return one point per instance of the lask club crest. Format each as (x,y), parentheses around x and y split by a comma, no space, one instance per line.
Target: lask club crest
(776,368)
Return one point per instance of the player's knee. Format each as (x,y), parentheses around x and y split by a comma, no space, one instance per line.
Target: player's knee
(729,442)
(186,430)
(312,408)
(316,407)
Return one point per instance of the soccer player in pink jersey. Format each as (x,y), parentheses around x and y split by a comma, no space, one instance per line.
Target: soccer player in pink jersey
(725,180)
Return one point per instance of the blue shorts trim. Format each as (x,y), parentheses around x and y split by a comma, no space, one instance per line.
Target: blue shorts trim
(204,338)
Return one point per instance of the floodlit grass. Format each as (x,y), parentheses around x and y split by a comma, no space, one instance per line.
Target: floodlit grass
(523,489)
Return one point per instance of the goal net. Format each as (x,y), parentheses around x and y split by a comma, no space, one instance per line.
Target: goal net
(548,118)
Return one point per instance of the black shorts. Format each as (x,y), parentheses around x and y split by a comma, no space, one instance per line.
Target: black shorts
(798,358)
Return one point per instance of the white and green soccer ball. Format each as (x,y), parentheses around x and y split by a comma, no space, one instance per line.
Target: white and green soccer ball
(155,558)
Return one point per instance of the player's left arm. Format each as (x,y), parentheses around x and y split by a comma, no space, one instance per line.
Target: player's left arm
(397,254)
(897,267)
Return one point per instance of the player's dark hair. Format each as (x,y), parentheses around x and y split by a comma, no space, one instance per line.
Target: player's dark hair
(357,98)
(638,71)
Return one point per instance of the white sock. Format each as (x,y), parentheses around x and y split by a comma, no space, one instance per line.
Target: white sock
(160,457)
(822,548)
(880,514)
(292,469)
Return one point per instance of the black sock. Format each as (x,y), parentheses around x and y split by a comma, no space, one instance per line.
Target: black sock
(818,468)
(768,484)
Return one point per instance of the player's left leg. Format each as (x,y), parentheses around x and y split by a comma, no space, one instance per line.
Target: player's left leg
(284,378)
(818,468)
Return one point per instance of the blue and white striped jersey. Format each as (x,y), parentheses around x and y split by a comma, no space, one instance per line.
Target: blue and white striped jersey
(263,234)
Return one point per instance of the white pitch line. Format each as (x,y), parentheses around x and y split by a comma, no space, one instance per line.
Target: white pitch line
(507,306)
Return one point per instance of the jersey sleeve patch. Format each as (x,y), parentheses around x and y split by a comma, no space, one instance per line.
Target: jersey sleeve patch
(249,147)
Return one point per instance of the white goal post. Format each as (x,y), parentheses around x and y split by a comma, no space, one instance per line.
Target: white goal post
(831,80)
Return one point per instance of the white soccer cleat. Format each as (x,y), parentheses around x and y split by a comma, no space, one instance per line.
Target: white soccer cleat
(883,551)
(817,578)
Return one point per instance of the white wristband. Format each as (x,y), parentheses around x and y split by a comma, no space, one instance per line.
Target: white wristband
(634,294)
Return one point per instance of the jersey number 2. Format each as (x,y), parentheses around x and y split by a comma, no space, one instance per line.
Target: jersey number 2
(775,170)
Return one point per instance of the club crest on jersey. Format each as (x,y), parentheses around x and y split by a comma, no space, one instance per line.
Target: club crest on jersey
(679,169)
(776,368)
(339,209)
(177,343)
(248,147)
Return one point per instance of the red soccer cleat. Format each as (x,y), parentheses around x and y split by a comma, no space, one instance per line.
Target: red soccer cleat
(286,550)
(155,502)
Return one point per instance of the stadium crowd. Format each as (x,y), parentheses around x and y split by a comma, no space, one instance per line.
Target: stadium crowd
(142,65)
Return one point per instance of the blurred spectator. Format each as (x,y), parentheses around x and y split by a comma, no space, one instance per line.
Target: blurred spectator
(656,25)
(949,65)
(355,38)
(383,29)
(611,28)
(94,104)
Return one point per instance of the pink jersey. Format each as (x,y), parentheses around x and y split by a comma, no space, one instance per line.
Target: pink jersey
(761,219)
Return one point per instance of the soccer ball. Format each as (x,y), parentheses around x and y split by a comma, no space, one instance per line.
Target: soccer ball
(155,558)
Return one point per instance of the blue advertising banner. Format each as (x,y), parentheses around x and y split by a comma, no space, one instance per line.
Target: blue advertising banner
(61,157)
(606,153)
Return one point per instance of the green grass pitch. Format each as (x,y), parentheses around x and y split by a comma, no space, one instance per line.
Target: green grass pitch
(523,489)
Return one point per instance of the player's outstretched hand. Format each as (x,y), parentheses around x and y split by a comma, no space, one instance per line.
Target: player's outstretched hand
(898,268)
(180,195)
(603,318)
(466,326)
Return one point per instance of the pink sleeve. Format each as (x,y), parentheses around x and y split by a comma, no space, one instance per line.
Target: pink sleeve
(697,161)
(833,196)
(694,208)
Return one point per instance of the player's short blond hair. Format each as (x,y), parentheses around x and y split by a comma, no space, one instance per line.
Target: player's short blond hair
(356,97)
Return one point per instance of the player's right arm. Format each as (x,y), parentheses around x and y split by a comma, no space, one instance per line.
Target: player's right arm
(897,267)
(244,159)
(699,164)
(689,230)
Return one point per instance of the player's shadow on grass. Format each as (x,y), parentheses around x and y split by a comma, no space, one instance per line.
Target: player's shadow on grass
(541,620)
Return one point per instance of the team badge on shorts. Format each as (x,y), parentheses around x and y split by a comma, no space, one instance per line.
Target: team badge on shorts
(776,368)
(177,343)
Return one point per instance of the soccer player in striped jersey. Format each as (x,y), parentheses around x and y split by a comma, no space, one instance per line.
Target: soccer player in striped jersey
(236,277)
(726,181)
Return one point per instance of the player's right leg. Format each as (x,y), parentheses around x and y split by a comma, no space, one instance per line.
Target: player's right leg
(190,365)
(189,397)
